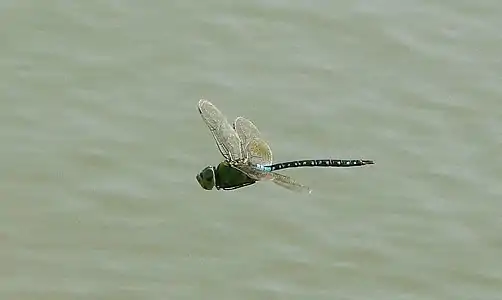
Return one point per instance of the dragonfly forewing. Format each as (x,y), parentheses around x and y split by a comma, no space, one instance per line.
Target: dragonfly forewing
(226,137)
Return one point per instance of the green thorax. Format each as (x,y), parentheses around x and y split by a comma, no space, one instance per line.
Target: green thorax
(229,178)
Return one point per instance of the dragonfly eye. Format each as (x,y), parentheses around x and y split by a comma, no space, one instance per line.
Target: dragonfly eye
(206,178)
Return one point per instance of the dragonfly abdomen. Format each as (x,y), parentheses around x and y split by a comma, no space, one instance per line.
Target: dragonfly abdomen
(317,163)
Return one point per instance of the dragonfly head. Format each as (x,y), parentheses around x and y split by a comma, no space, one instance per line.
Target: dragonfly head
(206,178)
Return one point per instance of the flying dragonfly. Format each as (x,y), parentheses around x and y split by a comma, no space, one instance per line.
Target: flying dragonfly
(248,158)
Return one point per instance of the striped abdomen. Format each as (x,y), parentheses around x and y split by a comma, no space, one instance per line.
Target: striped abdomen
(318,163)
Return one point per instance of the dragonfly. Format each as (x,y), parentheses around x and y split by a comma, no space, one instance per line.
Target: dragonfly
(248,157)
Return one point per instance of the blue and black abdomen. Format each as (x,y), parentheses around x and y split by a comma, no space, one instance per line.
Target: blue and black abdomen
(319,163)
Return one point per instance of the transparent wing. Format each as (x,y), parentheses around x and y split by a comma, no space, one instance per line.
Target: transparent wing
(253,172)
(277,178)
(289,183)
(259,152)
(256,149)
(226,137)
(246,130)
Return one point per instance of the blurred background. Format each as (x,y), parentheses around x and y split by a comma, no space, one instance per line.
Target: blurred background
(101,141)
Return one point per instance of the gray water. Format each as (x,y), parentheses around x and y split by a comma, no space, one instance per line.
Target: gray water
(101,141)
